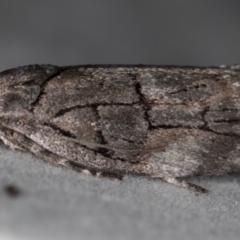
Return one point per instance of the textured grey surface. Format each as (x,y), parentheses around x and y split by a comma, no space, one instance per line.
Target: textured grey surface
(58,204)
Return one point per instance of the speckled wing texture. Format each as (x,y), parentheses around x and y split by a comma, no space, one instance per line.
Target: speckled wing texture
(158,121)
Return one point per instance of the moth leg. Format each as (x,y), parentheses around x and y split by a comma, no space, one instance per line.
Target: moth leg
(111,176)
(56,160)
(91,172)
(6,136)
(19,141)
(45,155)
(182,183)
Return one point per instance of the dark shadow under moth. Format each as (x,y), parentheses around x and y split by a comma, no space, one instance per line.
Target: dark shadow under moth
(157,121)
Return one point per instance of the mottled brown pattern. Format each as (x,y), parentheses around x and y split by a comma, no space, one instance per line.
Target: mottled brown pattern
(158,121)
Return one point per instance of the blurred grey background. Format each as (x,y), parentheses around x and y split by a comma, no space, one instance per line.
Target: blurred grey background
(60,204)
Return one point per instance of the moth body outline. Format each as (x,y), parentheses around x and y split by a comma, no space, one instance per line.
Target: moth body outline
(158,121)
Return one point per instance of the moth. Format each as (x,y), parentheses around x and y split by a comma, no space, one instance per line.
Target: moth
(164,122)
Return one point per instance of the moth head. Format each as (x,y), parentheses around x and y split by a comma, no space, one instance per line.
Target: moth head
(16,100)
(20,87)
